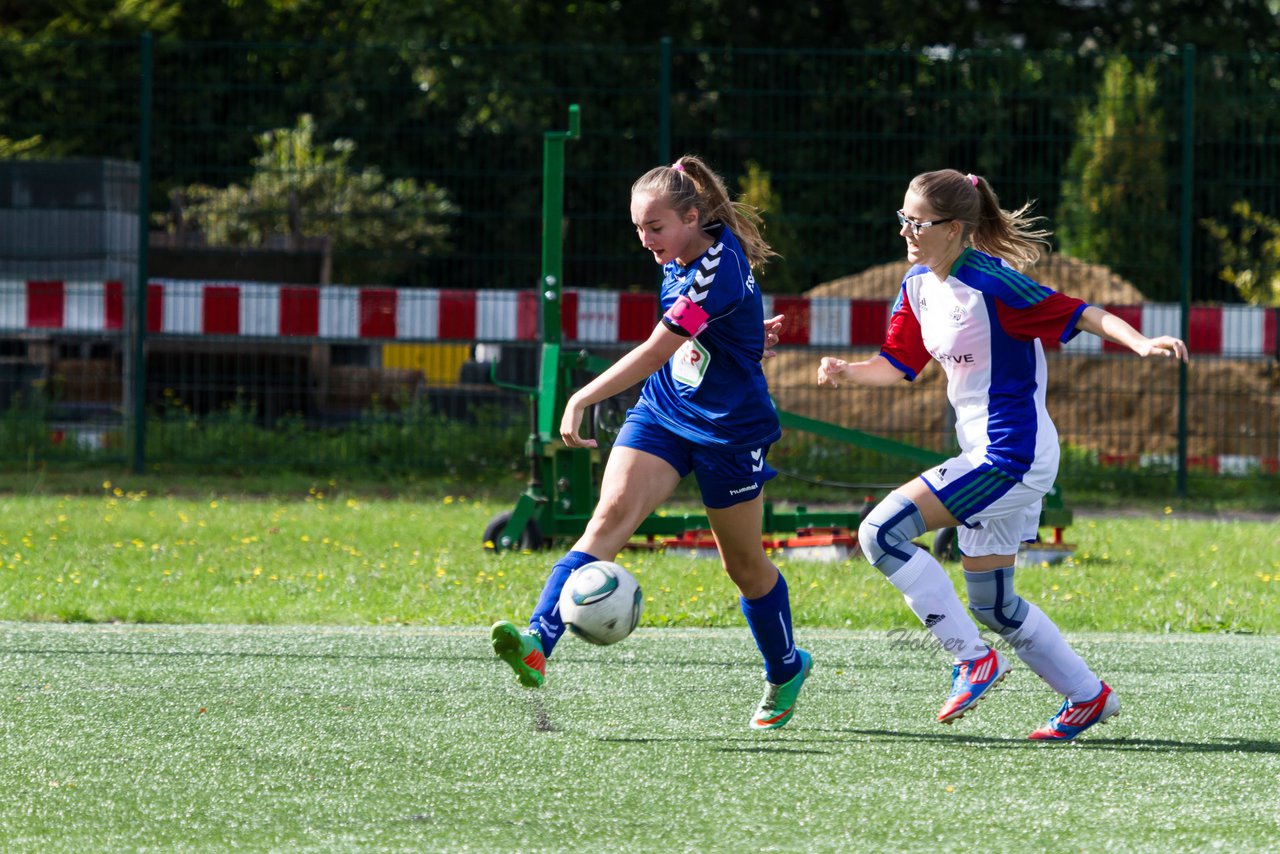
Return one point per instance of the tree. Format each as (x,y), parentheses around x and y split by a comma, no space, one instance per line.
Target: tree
(757,191)
(378,227)
(19,149)
(1114,207)
(1250,252)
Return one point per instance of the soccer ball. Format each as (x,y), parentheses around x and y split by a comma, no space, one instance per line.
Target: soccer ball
(601,603)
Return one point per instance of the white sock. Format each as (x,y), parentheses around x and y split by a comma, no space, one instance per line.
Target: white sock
(932,597)
(1042,648)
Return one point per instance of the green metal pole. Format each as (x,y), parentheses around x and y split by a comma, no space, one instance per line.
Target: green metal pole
(878,444)
(533,503)
(138,328)
(552,263)
(1188,163)
(664,100)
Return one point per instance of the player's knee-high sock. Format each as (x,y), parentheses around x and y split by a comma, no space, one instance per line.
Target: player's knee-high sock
(1034,637)
(546,614)
(885,538)
(932,598)
(769,619)
(1042,648)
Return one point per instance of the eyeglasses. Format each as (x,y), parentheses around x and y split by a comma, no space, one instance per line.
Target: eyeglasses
(917,227)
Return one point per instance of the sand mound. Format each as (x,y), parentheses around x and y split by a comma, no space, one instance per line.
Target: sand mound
(1122,404)
(1093,283)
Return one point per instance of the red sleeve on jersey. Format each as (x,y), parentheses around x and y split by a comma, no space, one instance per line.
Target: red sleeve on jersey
(904,345)
(1054,316)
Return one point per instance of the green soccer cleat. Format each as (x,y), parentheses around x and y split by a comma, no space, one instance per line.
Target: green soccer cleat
(521,650)
(779,701)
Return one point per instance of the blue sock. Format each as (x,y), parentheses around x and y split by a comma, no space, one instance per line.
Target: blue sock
(546,615)
(769,618)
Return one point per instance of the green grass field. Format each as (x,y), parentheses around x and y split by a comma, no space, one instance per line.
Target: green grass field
(403,738)
(209,670)
(321,558)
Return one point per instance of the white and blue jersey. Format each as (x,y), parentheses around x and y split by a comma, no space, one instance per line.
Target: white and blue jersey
(713,390)
(983,324)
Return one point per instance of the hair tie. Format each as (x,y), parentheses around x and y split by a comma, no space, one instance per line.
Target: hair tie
(679,167)
(973,179)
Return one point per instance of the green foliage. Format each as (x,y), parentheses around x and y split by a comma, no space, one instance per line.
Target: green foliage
(1142,25)
(1114,208)
(459,94)
(92,19)
(411,438)
(302,187)
(1250,252)
(24,428)
(31,430)
(756,190)
(20,149)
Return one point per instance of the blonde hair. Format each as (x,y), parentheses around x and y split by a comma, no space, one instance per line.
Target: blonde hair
(970,201)
(690,183)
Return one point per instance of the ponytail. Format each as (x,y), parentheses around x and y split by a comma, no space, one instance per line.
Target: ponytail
(690,183)
(1014,236)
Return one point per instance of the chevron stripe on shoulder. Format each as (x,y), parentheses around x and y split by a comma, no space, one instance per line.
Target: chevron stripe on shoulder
(706,272)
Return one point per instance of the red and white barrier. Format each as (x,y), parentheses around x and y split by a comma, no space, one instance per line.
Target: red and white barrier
(1229,464)
(255,310)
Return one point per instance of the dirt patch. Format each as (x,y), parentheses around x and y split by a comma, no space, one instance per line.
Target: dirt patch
(1125,405)
(1093,283)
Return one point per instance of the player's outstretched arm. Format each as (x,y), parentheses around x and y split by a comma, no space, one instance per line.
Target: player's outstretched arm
(874,371)
(1106,325)
(635,366)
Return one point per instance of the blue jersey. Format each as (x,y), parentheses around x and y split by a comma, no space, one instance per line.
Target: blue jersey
(713,390)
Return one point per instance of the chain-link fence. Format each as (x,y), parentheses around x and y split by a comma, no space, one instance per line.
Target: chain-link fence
(340,243)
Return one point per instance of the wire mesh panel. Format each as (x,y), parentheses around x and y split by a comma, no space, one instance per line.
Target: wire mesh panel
(342,241)
(69,186)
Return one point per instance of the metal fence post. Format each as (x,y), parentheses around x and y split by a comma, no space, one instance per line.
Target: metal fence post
(136,378)
(553,266)
(664,100)
(1188,179)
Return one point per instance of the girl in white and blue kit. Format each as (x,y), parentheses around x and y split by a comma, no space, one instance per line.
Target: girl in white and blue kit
(964,304)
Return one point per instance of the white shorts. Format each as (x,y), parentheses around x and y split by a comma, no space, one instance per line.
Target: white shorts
(998,514)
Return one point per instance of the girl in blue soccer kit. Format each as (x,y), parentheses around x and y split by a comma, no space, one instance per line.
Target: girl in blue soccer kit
(704,408)
(963,304)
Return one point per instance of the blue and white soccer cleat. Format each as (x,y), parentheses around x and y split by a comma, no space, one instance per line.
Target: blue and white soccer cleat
(970,682)
(1074,718)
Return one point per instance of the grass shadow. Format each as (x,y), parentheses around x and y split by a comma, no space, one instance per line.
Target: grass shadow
(1221,745)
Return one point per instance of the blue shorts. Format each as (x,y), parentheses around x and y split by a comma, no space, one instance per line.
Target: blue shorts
(725,477)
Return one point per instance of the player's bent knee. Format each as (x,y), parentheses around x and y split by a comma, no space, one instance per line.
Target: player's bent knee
(993,602)
(1001,619)
(885,535)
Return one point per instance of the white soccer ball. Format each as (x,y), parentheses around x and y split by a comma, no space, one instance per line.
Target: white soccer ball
(601,603)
